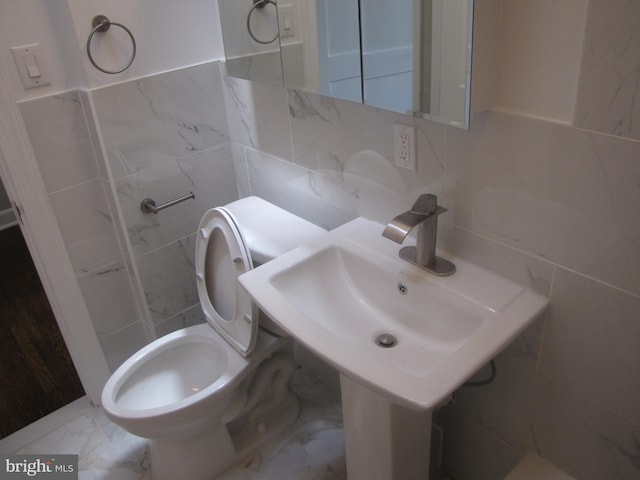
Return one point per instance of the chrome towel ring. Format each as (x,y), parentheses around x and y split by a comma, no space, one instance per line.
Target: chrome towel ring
(101,23)
(258,4)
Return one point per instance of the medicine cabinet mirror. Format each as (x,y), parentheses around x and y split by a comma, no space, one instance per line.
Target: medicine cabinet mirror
(407,56)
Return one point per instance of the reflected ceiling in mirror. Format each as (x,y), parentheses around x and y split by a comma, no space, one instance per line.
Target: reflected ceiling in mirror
(407,56)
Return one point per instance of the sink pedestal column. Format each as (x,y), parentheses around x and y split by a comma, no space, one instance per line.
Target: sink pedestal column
(384,441)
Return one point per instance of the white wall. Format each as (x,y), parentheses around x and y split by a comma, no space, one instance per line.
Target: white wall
(264,25)
(541,53)
(24,22)
(169,35)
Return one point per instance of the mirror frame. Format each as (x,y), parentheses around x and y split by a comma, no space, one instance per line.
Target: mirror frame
(261,57)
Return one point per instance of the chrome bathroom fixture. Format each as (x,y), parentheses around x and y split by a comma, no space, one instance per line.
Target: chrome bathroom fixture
(257,5)
(424,215)
(101,24)
(148,205)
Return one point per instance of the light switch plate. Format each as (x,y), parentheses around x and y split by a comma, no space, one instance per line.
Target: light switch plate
(31,65)
(286,20)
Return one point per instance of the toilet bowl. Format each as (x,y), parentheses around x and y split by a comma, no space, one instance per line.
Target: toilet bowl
(209,394)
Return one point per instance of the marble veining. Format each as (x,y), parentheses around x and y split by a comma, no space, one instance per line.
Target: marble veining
(176,262)
(258,117)
(161,118)
(191,316)
(314,196)
(563,194)
(108,287)
(86,223)
(59,136)
(330,136)
(313,449)
(609,93)
(209,174)
(300,106)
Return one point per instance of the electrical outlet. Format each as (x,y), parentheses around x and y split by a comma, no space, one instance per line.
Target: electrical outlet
(404,142)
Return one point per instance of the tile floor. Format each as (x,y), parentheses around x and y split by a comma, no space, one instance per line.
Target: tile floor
(312,450)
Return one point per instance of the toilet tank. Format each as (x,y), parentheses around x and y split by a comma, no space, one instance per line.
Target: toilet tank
(268,230)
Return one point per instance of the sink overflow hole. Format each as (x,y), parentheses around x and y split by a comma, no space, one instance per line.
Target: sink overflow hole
(386,340)
(402,288)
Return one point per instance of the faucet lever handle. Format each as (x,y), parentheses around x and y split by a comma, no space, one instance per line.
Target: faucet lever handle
(426,204)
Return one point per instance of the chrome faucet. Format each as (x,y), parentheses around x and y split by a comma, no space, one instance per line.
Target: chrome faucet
(424,215)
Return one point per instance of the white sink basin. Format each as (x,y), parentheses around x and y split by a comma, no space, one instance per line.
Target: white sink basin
(337,294)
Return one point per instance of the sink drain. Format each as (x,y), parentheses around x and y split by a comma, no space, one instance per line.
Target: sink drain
(386,340)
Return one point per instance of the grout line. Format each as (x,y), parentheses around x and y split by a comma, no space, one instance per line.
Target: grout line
(546,260)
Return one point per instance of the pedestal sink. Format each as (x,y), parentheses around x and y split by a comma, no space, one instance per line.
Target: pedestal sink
(402,339)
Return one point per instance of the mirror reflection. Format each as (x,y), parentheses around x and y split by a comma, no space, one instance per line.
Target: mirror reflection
(250,35)
(407,56)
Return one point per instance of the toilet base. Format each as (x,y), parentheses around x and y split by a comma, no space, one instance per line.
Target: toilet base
(206,454)
(200,456)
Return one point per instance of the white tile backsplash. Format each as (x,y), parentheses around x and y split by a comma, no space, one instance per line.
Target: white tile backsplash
(209,174)
(191,316)
(533,272)
(319,198)
(326,132)
(594,329)
(107,288)
(166,136)
(258,117)
(169,279)
(121,344)
(610,78)
(557,192)
(151,121)
(581,436)
(86,223)
(242,174)
(59,136)
(354,145)
(64,151)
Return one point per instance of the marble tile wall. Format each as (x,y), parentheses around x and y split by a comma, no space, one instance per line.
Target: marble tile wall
(59,135)
(159,137)
(163,137)
(609,95)
(551,206)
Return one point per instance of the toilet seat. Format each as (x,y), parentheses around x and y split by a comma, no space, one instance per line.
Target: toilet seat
(141,391)
(198,387)
(221,257)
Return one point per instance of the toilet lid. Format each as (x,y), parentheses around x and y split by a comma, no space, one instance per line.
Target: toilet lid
(221,257)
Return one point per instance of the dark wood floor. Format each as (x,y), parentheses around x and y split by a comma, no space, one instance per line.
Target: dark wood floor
(37,375)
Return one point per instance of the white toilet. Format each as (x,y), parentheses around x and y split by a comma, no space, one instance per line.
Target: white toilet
(207,396)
